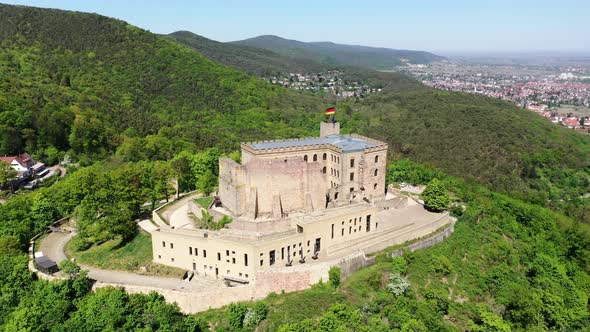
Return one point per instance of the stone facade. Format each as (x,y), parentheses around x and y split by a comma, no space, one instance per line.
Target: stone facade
(277,178)
(296,203)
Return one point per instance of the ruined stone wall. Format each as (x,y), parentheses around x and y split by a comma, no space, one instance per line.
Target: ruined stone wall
(293,184)
(271,188)
(374,184)
(231,186)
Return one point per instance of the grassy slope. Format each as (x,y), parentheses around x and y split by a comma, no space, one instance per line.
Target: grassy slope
(134,256)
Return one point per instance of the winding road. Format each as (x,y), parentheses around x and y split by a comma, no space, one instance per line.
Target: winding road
(53,247)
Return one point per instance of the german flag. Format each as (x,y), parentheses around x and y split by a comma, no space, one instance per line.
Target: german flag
(330,111)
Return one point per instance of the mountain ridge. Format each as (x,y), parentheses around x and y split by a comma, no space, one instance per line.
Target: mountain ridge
(264,63)
(378,58)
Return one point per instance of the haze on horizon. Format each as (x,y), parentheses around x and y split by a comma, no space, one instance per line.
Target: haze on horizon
(442,27)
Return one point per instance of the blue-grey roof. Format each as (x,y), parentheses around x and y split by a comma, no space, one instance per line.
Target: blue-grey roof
(347,144)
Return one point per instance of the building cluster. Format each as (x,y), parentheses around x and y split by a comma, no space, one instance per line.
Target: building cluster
(569,120)
(26,169)
(328,81)
(541,89)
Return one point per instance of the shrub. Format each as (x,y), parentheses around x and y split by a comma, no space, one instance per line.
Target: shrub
(443,265)
(236,313)
(399,265)
(435,196)
(334,276)
(256,314)
(374,279)
(397,285)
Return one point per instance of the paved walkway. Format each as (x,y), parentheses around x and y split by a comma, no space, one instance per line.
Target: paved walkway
(176,214)
(53,247)
(147,225)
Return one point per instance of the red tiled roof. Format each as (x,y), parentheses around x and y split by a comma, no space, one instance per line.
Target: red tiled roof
(24,159)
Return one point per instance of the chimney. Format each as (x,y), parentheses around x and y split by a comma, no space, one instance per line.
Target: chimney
(329,128)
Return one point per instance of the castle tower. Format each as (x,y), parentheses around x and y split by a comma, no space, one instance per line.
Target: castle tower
(329,128)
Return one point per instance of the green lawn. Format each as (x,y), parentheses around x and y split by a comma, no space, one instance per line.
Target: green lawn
(204,202)
(134,256)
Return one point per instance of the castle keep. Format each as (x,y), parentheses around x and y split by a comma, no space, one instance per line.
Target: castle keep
(279,178)
(292,202)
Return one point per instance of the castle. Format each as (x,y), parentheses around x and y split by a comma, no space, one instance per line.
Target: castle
(294,202)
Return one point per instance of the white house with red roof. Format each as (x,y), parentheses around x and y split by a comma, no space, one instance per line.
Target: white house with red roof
(23,164)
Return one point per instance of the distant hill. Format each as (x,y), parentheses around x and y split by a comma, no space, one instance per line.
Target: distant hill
(339,54)
(263,62)
(255,61)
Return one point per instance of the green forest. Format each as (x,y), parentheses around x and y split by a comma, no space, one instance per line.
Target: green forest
(135,109)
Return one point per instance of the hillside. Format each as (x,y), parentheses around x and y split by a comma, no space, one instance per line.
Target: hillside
(252,60)
(263,62)
(135,109)
(339,54)
(92,85)
(482,139)
(76,81)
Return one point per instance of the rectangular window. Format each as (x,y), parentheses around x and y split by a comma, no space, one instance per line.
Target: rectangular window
(218,256)
(196,252)
(245,259)
(283,253)
(368,223)
(261,262)
(190,250)
(351,176)
(343,232)
(204,253)
(194,266)
(332,230)
(271,257)
(227,252)
(308,243)
(352,162)
(233,260)
(163,244)
(350,230)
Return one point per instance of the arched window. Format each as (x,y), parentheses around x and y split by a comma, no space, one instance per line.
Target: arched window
(338,174)
(376,159)
(315,157)
(337,160)
(336,196)
(324,170)
(375,172)
(325,156)
(305,158)
(375,186)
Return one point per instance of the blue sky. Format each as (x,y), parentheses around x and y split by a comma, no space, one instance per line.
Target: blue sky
(444,26)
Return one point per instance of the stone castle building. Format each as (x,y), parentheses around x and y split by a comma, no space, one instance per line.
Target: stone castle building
(292,202)
(279,178)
